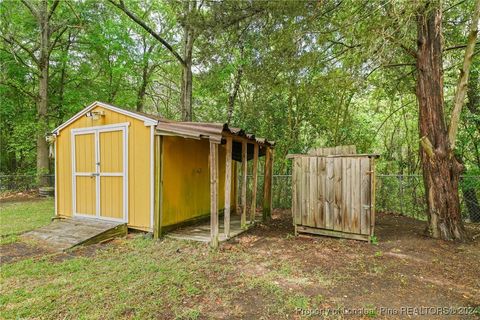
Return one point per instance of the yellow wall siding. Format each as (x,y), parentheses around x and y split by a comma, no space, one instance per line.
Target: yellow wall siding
(186,179)
(138,166)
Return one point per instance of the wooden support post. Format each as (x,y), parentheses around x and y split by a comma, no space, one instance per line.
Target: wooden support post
(254,185)
(213,157)
(267,184)
(158,162)
(235,186)
(228,186)
(372,197)
(243,219)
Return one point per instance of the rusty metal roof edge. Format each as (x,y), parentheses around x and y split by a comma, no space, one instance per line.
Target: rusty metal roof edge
(249,136)
(207,130)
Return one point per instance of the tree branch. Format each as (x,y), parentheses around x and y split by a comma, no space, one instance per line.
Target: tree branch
(460,46)
(141,23)
(19,88)
(18,58)
(13,42)
(52,9)
(463,79)
(31,8)
(59,35)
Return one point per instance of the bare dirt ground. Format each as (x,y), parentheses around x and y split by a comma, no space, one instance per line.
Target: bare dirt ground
(29,195)
(404,269)
(272,268)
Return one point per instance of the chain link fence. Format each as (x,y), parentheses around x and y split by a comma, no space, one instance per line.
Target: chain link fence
(23,182)
(404,194)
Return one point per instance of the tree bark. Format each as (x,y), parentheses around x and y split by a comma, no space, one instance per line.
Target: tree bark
(42,102)
(440,168)
(187,77)
(142,89)
(233,93)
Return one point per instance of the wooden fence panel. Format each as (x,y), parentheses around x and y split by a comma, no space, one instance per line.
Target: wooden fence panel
(333,194)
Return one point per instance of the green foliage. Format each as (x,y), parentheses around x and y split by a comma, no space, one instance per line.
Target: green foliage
(313,73)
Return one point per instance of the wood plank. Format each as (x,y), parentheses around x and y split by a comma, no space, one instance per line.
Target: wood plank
(243,200)
(118,231)
(332,233)
(305,192)
(338,150)
(355,213)
(64,234)
(337,205)
(267,185)
(228,186)
(330,194)
(213,156)
(347,193)
(370,155)
(365,196)
(372,197)
(321,171)
(253,206)
(312,196)
(201,231)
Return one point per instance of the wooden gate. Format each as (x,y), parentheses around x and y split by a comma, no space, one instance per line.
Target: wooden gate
(333,195)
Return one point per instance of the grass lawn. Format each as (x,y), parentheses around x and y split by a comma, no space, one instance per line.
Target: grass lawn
(265,273)
(18,217)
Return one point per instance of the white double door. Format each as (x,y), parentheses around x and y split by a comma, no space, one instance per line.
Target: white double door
(99,163)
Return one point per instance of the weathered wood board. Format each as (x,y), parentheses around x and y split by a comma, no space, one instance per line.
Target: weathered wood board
(63,234)
(333,194)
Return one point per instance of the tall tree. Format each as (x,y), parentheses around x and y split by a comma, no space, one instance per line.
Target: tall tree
(48,36)
(441,169)
(185,60)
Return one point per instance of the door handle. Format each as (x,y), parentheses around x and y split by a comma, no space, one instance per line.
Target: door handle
(95,174)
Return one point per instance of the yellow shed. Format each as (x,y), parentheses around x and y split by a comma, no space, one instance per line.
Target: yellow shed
(150,173)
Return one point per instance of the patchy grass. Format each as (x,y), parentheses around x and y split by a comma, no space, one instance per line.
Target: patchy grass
(262,274)
(18,217)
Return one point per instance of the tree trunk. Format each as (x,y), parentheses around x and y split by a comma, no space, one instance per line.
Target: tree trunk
(440,168)
(186,91)
(142,89)
(233,94)
(187,79)
(42,102)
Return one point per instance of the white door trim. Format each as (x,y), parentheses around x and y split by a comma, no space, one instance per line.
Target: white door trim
(123,127)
